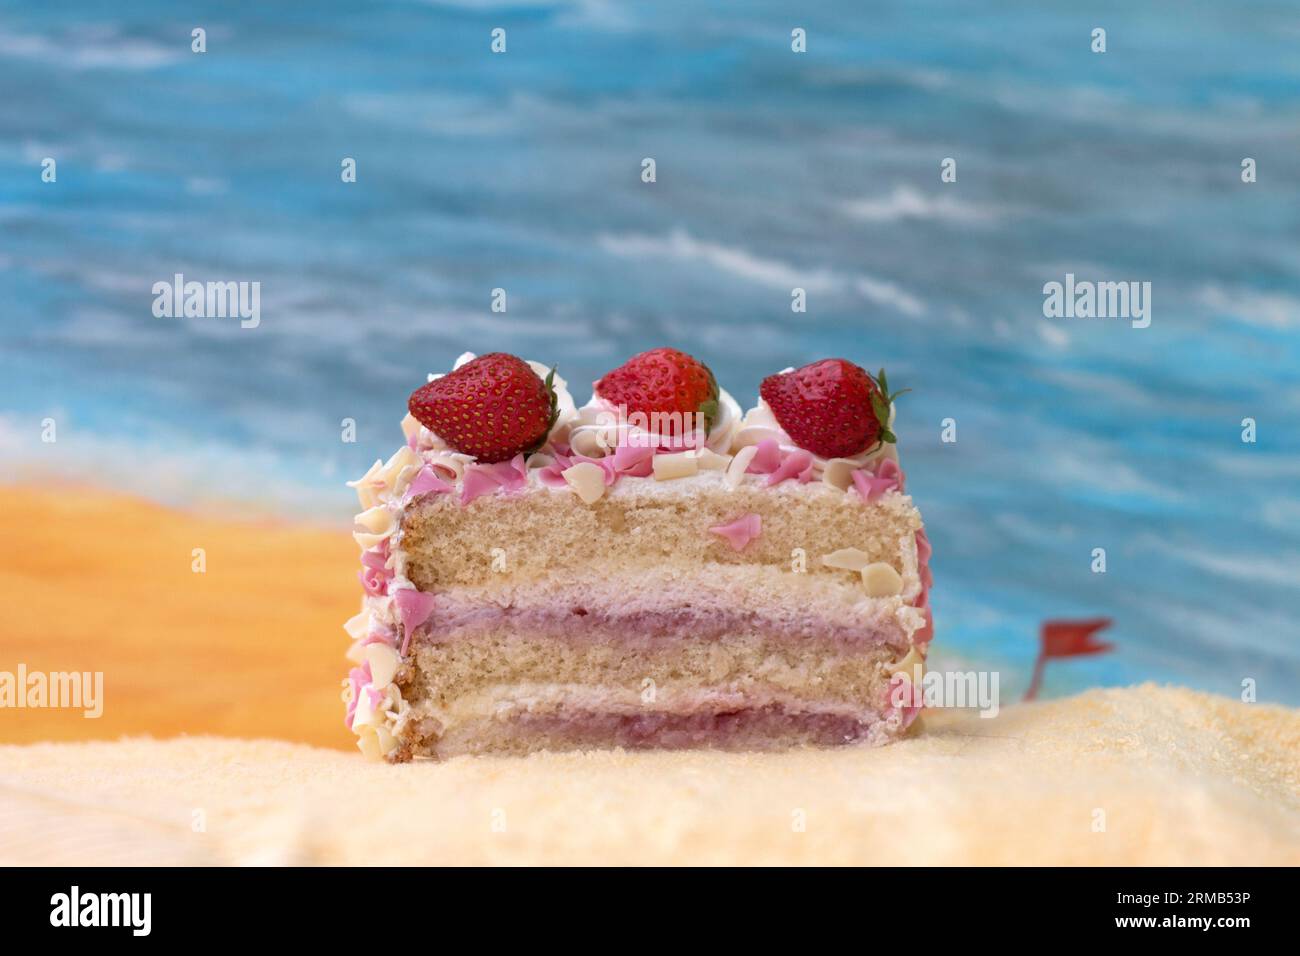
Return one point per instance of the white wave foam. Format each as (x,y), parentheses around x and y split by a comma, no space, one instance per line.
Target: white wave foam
(1274,310)
(90,49)
(908,203)
(680,246)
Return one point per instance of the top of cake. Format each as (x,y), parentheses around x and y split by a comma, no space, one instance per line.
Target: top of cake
(497,422)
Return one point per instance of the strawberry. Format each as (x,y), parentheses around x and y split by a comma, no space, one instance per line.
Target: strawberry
(831,408)
(662,380)
(492,407)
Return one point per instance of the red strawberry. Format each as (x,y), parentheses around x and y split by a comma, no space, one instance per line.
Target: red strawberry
(662,380)
(831,408)
(492,407)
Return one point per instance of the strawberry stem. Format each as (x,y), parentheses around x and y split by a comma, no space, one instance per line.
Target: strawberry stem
(880,404)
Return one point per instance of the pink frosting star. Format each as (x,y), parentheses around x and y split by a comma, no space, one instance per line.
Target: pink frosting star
(794,464)
(871,486)
(482,479)
(374,573)
(768,458)
(358,680)
(428,480)
(741,531)
(632,460)
(923,553)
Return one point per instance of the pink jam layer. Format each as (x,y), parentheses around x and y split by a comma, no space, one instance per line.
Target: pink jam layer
(455,621)
(747,728)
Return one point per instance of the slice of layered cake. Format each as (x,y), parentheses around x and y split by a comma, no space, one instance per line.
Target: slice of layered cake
(653,569)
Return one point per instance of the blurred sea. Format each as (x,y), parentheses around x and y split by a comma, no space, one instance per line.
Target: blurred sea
(775,170)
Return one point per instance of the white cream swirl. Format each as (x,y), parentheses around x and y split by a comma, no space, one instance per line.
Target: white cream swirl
(601,427)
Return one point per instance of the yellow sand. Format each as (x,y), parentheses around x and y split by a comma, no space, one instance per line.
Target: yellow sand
(1141,775)
(253,648)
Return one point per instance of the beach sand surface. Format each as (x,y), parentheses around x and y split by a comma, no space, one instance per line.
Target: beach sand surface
(1142,775)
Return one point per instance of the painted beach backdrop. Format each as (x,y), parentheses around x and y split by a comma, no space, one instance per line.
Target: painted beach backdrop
(775,170)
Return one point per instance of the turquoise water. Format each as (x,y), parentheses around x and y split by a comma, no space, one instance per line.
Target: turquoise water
(774,170)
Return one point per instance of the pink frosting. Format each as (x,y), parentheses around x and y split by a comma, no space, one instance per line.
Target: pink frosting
(414,607)
(887,477)
(374,573)
(923,553)
(767,460)
(781,465)
(795,464)
(741,531)
(428,480)
(481,479)
(631,460)
(359,680)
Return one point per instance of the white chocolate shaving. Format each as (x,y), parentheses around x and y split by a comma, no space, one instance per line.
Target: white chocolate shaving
(367,486)
(377,520)
(712,461)
(410,425)
(850,559)
(907,664)
(741,460)
(881,580)
(589,442)
(384,662)
(358,625)
(586,480)
(680,465)
(453,462)
(838,473)
(398,472)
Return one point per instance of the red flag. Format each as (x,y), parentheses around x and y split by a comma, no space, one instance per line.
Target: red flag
(1066,639)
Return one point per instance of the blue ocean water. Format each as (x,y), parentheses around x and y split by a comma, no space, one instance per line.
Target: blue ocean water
(774,170)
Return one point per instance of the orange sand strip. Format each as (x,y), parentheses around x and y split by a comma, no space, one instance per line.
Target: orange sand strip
(253,647)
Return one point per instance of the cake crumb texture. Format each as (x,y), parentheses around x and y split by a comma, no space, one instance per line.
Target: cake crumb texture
(643,524)
(1183,778)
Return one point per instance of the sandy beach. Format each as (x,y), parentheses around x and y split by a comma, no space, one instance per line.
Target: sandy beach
(252,648)
(1143,775)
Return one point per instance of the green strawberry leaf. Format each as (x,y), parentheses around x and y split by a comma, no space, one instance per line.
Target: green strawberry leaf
(555,400)
(549,382)
(880,404)
(709,407)
(709,410)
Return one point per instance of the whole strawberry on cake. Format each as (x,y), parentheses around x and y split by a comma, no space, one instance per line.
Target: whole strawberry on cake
(652,569)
